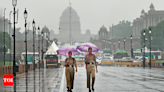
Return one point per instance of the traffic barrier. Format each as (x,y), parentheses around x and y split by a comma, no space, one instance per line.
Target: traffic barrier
(106,63)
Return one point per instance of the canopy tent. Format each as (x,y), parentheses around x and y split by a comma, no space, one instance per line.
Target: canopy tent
(121,51)
(107,49)
(52,49)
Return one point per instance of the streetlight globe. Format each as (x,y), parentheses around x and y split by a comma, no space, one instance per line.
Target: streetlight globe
(25,14)
(14,3)
(131,37)
(33,23)
(150,31)
(144,33)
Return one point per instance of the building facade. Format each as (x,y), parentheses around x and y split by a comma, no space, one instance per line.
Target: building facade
(70,24)
(151,18)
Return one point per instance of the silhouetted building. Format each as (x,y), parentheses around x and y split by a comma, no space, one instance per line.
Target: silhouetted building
(152,18)
(70,22)
(103,33)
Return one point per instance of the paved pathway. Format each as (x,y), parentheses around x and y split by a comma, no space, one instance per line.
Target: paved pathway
(121,79)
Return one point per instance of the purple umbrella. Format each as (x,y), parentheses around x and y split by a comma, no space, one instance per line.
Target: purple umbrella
(84,47)
(64,51)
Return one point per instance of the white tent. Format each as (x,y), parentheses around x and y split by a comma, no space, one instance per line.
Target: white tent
(52,49)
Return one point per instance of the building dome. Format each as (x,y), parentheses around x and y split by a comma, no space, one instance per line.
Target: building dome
(45,29)
(88,32)
(67,11)
(152,7)
(103,28)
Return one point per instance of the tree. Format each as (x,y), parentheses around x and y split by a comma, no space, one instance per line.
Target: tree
(123,29)
(157,36)
(7,41)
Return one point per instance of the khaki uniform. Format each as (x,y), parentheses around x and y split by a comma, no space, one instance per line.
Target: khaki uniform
(69,71)
(90,70)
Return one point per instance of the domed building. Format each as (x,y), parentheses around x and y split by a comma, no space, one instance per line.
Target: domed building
(103,33)
(70,22)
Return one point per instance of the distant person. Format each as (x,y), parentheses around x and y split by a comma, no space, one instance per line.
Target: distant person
(69,71)
(90,60)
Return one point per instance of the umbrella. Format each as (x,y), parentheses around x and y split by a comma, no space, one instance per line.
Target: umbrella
(64,51)
(84,47)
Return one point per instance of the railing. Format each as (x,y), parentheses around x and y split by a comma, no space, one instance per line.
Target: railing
(21,69)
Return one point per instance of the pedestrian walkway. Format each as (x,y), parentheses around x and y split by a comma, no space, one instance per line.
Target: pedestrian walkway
(45,83)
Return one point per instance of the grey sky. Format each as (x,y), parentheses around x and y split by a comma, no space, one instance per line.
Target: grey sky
(93,13)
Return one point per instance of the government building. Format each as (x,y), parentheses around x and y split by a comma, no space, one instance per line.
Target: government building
(70,22)
(151,18)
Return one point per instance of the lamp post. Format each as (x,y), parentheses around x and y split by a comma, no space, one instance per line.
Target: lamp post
(131,47)
(110,45)
(124,42)
(14,2)
(47,36)
(10,34)
(39,35)
(4,37)
(26,32)
(33,24)
(114,46)
(39,45)
(42,49)
(34,33)
(150,47)
(119,44)
(144,49)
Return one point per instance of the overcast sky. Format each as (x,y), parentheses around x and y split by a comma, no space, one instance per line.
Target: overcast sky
(93,13)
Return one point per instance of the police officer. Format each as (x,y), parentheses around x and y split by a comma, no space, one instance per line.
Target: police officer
(90,61)
(69,71)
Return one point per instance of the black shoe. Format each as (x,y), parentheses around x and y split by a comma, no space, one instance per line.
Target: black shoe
(93,88)
(70,90)
(89,90)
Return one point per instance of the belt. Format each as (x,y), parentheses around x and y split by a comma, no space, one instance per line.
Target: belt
(70,66)
(90,63)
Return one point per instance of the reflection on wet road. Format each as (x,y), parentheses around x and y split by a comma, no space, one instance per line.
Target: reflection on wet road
(121,79)
(47,81)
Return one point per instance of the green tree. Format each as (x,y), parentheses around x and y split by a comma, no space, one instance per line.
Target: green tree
(123,29)
(157,37)
(7,41)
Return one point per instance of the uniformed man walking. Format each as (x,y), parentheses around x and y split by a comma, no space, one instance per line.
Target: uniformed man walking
(69,71)
(90,61)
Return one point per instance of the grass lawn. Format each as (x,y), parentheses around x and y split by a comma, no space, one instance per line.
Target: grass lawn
(160,61)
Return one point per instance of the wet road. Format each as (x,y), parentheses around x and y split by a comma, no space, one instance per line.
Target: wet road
(48,81)
(121,79)
(108,79)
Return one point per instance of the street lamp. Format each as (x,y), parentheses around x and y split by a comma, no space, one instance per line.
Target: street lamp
(150,46)
(131,47)
(114,46)
(34,33)
(4,37)
(14,2)
(39,44)
(47,36)
(144,49)
(119,44)
(10,34)
(26,32)
(33,24)
(124,43)
(42,34)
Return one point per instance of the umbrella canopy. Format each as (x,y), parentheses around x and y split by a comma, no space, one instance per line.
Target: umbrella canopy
(121,51)
(64,51)
(107,49)
(84,47)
